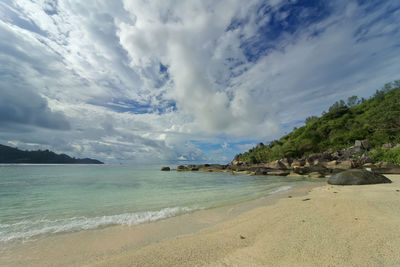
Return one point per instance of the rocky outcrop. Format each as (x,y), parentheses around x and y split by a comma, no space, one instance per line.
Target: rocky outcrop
(164,168)
(317,165)
(352,157)
(180,168)
(357,177)
(364,144)
(278,172)
(277,164)
(298,163)
(386,165)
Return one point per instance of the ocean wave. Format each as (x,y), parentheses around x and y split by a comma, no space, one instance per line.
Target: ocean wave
(26,229)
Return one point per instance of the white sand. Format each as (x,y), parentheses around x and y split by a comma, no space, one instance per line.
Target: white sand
(338,226)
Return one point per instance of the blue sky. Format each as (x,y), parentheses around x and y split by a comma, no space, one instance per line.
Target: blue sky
(165,81)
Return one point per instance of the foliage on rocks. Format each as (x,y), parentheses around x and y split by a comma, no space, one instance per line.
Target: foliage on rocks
(376,119)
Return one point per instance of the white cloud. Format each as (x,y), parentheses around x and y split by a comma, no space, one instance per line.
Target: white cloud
(92,63)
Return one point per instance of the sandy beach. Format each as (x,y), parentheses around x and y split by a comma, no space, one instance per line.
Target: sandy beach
(319,225)
(330,226)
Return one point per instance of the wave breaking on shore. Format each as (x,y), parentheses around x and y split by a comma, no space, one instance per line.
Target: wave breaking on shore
(27,229)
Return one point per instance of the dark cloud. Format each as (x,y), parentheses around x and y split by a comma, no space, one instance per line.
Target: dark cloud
(21,106)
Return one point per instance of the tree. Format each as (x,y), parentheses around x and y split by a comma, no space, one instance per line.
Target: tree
(253,159)
(353,101)
(311,118)
(338,105)
(379,94)
(387,87)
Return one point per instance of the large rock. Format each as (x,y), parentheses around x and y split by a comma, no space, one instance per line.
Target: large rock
(180,168)
(235,162)
(369,165)
(386,165)
(387,170)
(298,163)
(346,164)
(357,177)
(365,144)
(335,164)
(277,164)
(318,159)
(236,158)
(330,164)
(278,172)
(261,171)
(302,170)
(364,159)
(286,162)
(165,168)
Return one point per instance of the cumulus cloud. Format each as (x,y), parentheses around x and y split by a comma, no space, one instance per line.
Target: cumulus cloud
(137,81)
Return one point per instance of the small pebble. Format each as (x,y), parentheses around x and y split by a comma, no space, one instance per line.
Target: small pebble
(289,196)
(242,237)
(306,199)
(397,190)
(335,192)
(356,219)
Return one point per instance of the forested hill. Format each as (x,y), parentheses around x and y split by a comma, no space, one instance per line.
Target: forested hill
(14,155)
(376,119)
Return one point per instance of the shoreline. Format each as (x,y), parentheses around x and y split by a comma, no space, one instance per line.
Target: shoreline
(315,225)
(330,226)
(89,246)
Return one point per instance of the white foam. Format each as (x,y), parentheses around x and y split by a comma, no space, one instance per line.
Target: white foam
(280,189)
(28,229)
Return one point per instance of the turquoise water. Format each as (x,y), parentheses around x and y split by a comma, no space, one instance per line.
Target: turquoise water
(47,199)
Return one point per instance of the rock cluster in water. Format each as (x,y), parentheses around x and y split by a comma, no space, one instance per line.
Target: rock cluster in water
(318,165)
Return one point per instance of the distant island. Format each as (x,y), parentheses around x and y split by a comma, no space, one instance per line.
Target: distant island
(14,155)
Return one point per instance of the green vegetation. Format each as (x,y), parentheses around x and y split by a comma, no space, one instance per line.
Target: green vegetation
(376,119)
(388,155)
(14,155)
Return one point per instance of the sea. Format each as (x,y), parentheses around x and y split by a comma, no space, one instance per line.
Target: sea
(42,200)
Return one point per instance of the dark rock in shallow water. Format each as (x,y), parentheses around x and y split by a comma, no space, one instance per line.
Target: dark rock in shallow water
(278,172)
(165,168)
(180,168)
(357,177)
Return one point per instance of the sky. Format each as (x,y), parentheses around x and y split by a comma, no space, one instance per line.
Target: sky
(165,81)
